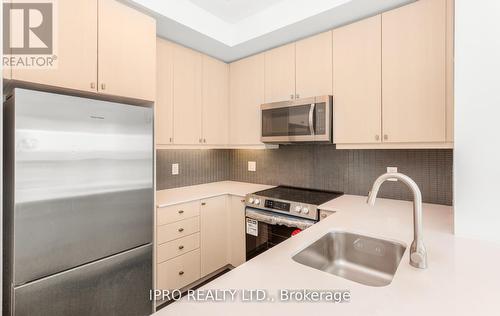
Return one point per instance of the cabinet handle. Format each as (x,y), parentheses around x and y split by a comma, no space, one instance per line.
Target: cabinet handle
(181,247)
(103,86)
(181,272)
(203,203)
(171,139)
(180,211)
(92,85)
(291,96)
(204,140)
(297,96)
(242,201)
(181,230)
(377,137)
(386,137)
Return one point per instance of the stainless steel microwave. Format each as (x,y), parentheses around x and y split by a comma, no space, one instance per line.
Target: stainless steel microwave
(301,120)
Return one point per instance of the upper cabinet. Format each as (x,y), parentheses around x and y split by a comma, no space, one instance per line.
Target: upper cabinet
(246,91)
(215,98)
(357,83)
(313,66)
(76,49)
(280,73)
(187,93)
(126,51)
(414,72)
(97,52)
(164,105)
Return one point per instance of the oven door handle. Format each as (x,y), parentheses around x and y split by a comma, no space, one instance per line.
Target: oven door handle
(275,219)
(311,118)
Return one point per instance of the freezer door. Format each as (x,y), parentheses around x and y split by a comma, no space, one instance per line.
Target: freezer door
(83,181)
(118,285)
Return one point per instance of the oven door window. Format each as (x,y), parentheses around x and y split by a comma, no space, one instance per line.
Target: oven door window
(268,236)
(286,121)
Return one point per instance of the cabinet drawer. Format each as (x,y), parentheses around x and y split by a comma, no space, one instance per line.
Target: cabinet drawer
(177,247)
(174,213)
(178,229)
(179,272)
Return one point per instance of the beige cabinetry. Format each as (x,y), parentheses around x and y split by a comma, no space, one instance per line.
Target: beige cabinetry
(164,106)
(126,51)
(179,272)
(414,72)
(75,48)
(246,91)
(236,231)
(280,73)
(215,98)
(97,52)
(177,245)
(313,66)
(357,82)
(214,238)
(195,239)
(187,95)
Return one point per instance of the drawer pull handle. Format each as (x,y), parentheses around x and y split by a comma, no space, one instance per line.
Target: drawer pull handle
(181,230)
(181,247)
(181,211)
(181,272)
(203,204)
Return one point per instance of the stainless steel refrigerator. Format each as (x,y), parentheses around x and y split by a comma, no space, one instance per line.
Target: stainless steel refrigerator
(78,206)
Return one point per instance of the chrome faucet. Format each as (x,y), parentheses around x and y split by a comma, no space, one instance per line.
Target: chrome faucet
(418,255)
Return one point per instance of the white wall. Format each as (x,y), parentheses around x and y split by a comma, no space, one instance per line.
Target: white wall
(477,119)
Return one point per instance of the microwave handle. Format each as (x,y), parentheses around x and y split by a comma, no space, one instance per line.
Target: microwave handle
(311,118)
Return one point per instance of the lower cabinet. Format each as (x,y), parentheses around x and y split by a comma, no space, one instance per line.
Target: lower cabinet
(214,238)
(197,238)
(237,234)
(179,271)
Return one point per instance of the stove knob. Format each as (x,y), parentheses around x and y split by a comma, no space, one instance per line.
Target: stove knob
(256,202)
(250,200)
(298,209)
(305,210)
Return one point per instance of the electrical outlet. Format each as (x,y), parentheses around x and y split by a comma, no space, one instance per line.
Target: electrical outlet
(252,166)
(175,168)
(392,170)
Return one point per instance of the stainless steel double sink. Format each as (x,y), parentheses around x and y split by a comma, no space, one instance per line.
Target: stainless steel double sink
(355,257)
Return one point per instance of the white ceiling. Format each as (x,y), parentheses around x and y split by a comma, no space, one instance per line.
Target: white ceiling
(233,11)
(233,29)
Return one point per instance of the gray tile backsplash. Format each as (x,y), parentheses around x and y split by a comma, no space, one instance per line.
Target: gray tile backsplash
(314,166)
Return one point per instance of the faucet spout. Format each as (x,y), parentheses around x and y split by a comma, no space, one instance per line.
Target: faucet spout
(418,254)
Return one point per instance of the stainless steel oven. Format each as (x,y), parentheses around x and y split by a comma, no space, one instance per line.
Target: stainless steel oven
(301,120)
(278,213)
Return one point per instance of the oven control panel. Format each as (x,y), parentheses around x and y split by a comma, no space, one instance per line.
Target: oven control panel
(287,207)
(277,205)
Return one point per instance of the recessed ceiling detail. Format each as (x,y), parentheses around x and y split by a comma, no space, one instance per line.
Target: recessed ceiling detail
(233,29)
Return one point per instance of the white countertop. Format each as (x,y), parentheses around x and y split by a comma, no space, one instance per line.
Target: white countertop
(463,277)
(203,191)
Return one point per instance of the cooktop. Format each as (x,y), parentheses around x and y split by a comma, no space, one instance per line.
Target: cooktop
(302,195)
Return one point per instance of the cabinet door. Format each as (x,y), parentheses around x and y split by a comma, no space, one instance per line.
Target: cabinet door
(215,101)
(414,72)
(126,52)
(187,96)
(214,244)
(357,82)
(75,48)
(164,92)
(246,95)
(314,66)
(280,73)
(236,232)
